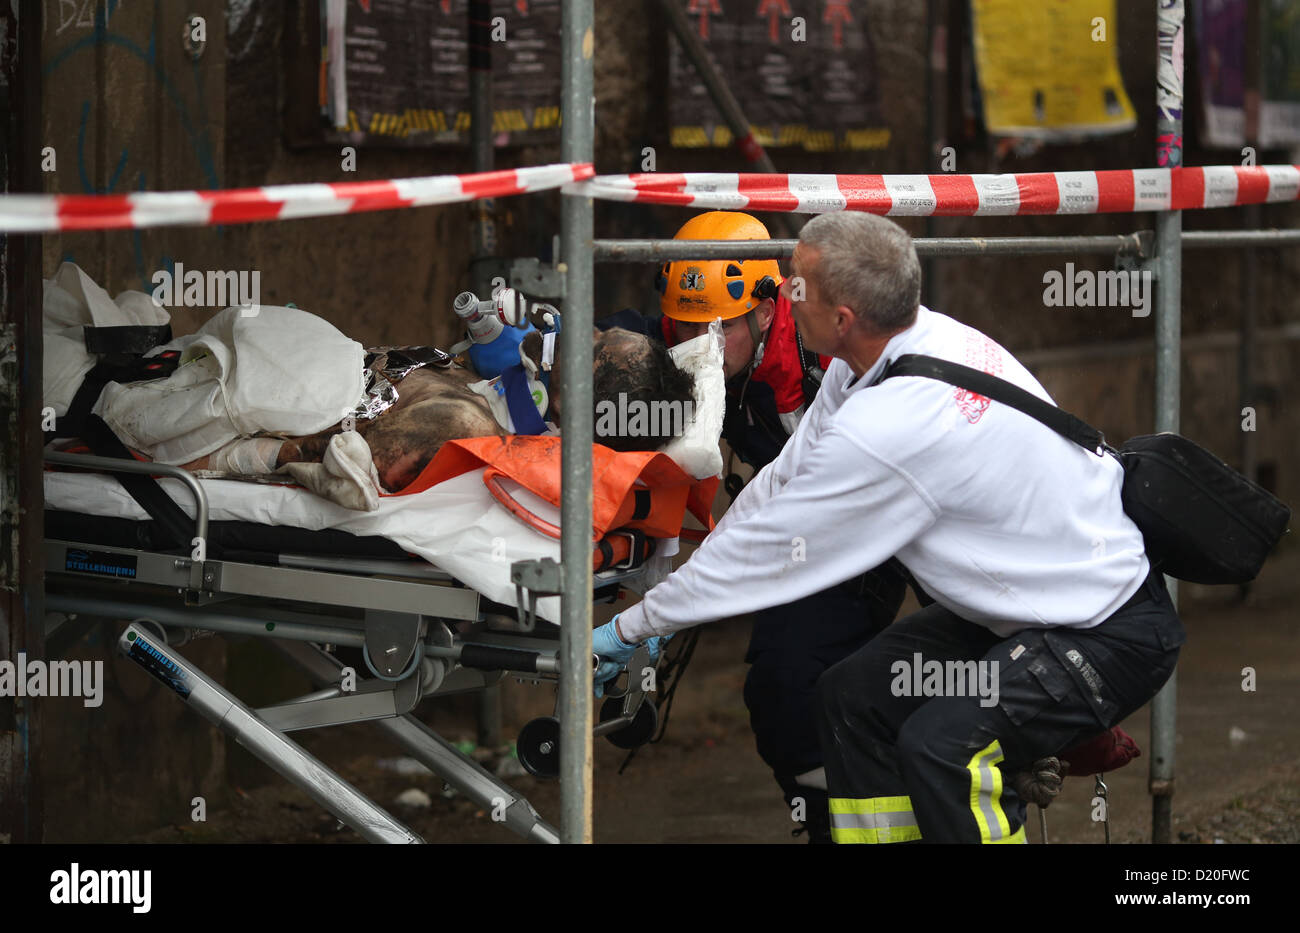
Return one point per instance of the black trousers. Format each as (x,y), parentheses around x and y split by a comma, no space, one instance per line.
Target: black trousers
(789,649)
(903,767)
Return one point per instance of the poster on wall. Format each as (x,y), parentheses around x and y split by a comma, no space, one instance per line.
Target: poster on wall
(402,76)
(1221,56)
(803,71)
(1279,107)
(1050,71)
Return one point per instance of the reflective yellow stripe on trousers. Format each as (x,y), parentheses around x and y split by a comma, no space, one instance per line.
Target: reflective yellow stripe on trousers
(986,797)
(873,819)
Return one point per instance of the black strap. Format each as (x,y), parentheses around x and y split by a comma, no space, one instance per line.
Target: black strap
(121,358)
(641,548)
(1059,420)
(129,339)
(810,364)
(144,489)
(641,503)
(606,555)
(73,424)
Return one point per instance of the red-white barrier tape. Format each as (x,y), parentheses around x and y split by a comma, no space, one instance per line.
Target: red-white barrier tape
(1125,191)
(47,213)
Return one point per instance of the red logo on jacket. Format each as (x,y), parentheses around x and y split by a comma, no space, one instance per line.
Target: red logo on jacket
(983,354)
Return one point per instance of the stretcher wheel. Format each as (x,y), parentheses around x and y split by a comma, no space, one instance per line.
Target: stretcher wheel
(538,747)
(638,731)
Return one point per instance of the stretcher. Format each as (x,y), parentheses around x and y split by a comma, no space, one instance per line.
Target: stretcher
(445,591)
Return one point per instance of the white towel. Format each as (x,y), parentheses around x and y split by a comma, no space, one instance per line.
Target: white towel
(346,475)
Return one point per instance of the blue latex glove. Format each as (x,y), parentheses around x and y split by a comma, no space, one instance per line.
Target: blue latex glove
(614,653)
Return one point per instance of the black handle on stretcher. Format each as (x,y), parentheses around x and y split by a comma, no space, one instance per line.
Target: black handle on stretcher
(499,658)
(492,658)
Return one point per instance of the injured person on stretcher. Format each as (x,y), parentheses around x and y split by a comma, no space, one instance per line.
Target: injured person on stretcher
(437,403)
(271,389)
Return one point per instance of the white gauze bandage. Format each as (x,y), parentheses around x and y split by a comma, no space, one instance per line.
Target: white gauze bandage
(247,456)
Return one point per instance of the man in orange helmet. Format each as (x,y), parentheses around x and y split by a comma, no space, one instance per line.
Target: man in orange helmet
(772,378)
(771,381)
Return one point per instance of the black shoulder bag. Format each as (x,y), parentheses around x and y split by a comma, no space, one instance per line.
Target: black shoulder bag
(1202,520)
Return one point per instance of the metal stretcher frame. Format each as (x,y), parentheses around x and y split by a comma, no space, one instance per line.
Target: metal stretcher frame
(420,632)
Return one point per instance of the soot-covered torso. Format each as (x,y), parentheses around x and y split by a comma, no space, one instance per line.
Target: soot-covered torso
(433,406)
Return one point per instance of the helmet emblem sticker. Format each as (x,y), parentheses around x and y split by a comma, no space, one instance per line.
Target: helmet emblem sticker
(692,280)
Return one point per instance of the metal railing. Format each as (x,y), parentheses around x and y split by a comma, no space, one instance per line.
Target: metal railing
(577,135)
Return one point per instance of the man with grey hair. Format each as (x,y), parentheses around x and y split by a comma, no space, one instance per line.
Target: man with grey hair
(1044,596)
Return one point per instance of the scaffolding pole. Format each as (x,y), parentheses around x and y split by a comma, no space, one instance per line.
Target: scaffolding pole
(1138,244)
(1168,324)
(577,133)
(22,588)
(1239,239)
(654,251)
(484,249)
(1247,356)
(480,138)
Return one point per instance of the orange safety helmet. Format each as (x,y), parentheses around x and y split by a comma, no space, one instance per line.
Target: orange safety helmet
(691,290)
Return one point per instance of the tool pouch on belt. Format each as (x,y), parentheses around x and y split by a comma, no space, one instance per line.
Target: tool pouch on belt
(1202,521)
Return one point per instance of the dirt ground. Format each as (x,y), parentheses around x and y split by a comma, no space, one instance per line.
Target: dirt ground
(1238,753)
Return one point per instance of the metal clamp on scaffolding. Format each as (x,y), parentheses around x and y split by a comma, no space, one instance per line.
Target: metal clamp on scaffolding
(528,274)
(533,277)
(1140,256)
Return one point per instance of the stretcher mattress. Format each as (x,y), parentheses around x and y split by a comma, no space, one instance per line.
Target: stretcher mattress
(456,525)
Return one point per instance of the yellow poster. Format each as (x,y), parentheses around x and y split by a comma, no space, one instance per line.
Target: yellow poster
(1050,70)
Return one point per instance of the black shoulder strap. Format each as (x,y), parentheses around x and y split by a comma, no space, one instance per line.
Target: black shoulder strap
(144,489)
(810,365)
(1059,420)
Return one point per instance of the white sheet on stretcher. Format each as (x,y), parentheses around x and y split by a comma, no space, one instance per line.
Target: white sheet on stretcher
(456,525)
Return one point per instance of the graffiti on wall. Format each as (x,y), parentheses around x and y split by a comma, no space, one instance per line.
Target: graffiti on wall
(78,33)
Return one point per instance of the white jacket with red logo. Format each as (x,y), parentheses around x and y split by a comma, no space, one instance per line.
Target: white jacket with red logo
(1000,519)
